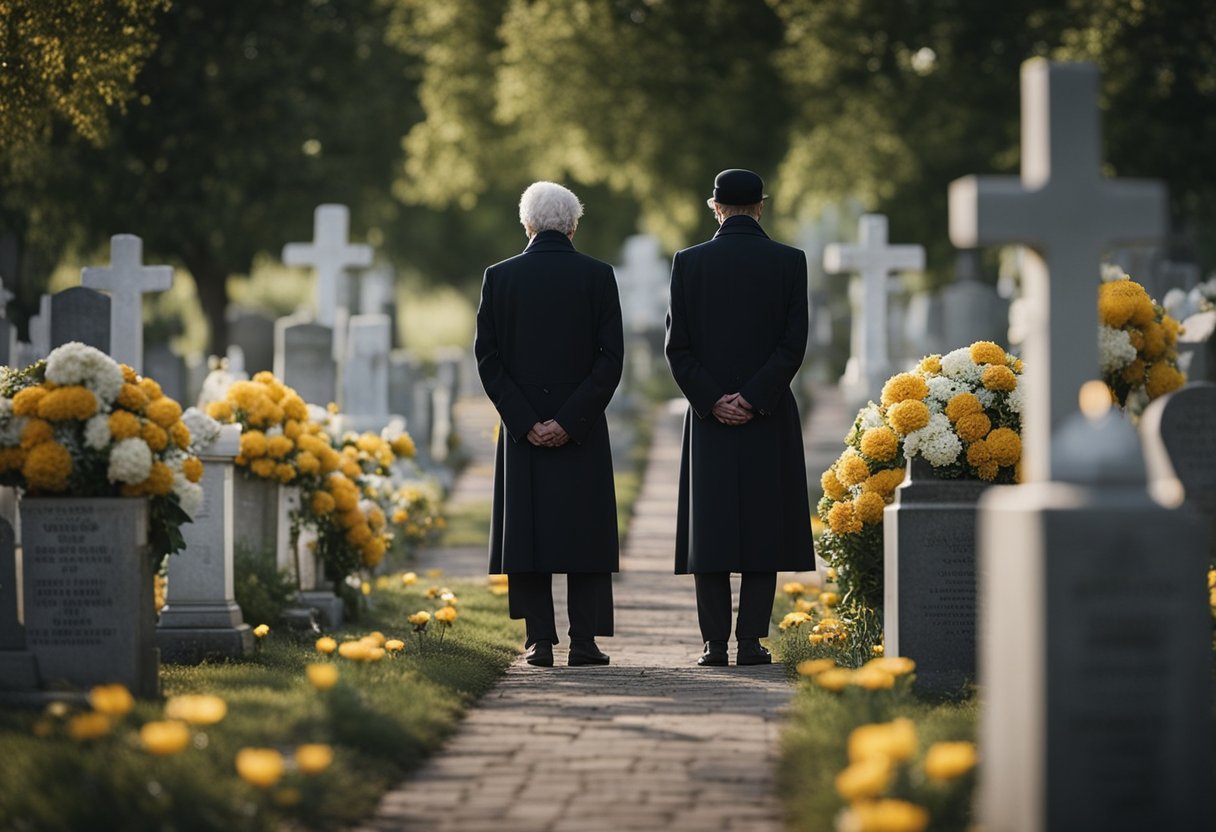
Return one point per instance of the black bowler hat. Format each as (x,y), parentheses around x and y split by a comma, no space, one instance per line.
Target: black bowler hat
(738,187)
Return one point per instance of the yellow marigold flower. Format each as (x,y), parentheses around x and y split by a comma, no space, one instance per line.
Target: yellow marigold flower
(1133,373)
(197,709)
(1005,446)
(155,436)
(1154,341)
(868,507)
(111,700)
(880,443)
(963,404)
(160,479)
(261,630)
(420,618)
(284,472)
(307,463)
(877,650)
(73,402)
(279,446)
(828,599)
(904,386)
(326,645)
(403,446)
(314,758)
(372,552)
(813,667)
(263,468)
(949,760)
(445,614)
(978,454)
(294,407)
(11,459)
(350,519)
(802,605)
(842,519)
(368,442)
(358,535)
(375,516)
(400,516)
(873,678)
(164,738)
(90,726)
(351,468)
(322,676)
(47,467)
(895,740)
(220,411)
(999,377)
(322,503)
(986,352)
(987,471)
(151,389)
(793,619)
(864,779)
(895,665)
(884,482)
(25,403)
(192,468)
(409,579)
(36,432)
(128,373)
(907,416)
(1123,302)
(180,434)
(394,645)
(164,411)
(293,430)
(931,364)
(888,815)
(253,444)
(1017,365)
(794,588)
(1163,378)
(835,680)
(851,470)
(356,651)
(346,500)
(832,487)
(1172,330)
(264,377)
(973,427)
(261,767)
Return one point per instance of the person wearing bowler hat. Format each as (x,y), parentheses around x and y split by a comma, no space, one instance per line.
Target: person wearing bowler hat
(549,349)
(736,334)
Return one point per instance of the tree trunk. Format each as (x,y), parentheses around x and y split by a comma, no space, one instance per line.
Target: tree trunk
(211,282)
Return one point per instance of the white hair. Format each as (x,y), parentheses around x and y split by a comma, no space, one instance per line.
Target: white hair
(547,206)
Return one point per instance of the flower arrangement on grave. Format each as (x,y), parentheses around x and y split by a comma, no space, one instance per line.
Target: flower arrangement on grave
(1137,343)
(961,413)
(80,424)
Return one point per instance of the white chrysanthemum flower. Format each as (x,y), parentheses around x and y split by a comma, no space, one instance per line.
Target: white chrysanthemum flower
(959,366)
(1115,350)
(1016,398)
(97,432)
(1111,273)
(189,494)
(870,417)
(77,363)
(936,442)
(203,429)
(987,397)
(11,428)
(130,461)
(942,390)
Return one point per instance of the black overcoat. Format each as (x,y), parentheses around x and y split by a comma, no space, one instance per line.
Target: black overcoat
(738,324)
(549,346)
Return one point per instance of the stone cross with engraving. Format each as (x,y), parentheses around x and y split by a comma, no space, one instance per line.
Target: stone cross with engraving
(127,279)
(1066,212)
(330,253)
(873,259)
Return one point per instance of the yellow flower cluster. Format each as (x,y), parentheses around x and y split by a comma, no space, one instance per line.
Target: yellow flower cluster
(877,674)
(904,387)
(1125,305)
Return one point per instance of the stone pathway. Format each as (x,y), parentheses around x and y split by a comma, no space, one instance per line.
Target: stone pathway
(650,742)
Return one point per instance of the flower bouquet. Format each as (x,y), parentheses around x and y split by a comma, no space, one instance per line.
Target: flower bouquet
(1137,343)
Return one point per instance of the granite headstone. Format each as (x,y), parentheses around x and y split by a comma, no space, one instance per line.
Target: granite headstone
(80,314)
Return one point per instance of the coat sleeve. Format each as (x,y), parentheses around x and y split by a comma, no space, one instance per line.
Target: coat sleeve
(516,412)
(694,380)
(590,399)
(763,390)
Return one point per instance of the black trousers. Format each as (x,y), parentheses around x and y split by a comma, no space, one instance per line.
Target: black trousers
(588,602)
(756,595)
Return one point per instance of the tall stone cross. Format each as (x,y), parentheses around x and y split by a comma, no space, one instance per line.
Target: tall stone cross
(874,259)
(1066,212)
(644,283)
(127,279)
(330,253)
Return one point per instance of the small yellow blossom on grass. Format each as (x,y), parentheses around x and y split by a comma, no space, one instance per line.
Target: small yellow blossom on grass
(887,815)
(794,588)
(445,614)
(835,680)
(794,619)
(378,637)
(111,700)
(314,758)
(322,676)
(873,678)
(365,588)
(949,760)
(497,580)
(57,709)
(813,667)
(865,779)
(375,654)
(164,737)
(895,665)
(803,605)
(877,650)
(895,740)
(326,645)
(261,630)
(90,726)
(197,709)
(261,767)
(449,598)
(409,579)
(419,619)
(829,599)
(394,645)
(356,651)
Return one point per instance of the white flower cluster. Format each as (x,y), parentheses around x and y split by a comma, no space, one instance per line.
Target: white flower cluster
(1110,273)
(936,442)
(11,426)
(1115,350)
(203,429)
(959,366)
(189,494)
(871,417)
(1181,304)
(97,432)
(943,389)
(1016,398)
(77,363)
(130,461)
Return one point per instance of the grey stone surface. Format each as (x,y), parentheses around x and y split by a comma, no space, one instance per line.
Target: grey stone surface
(1197,346)
(8,342)
(253,332)
(18,670)
(80,314)
(330,254)
(1179,433)
(255,504)
(930,586)
(403,373)
(169,370)
(127,280)
(972,310)
(304,360)
(365,378)
(87,578)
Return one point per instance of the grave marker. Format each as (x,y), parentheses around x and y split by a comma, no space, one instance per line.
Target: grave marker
(80,314)
(365,372)
(304,359)
(330,254)
(127,280)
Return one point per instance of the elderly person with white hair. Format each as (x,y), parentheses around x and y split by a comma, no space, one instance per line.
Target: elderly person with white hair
(549,349)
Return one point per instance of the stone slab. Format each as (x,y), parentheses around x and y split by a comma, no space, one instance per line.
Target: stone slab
(80,314)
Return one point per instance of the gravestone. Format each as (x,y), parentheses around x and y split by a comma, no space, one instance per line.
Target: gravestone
(255,504)
(929,578)
(168,369)
(1179,433)
(304,360)
(126,279)
(365,382)
(79,314)
(40,331)
(87,576)
(404,373)
(201,618)
(18,670)
(254,334)
(644,281)
(873,260)
(8,331)
(422,421)
(330,254)
(378,296)
(1092,719)
(973,310)
(1197,346)
(924,326)
(448,361)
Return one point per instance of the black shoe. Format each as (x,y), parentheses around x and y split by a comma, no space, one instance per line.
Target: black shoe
(714,655)
(751,652)
(540,654)
(586,652)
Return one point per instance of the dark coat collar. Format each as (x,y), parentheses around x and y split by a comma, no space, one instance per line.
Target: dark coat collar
(740,224)
(550,241)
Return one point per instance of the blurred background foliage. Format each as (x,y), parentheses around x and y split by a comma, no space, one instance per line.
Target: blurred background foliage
(212,129)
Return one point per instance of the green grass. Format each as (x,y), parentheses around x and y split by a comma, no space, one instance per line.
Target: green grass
(382,720)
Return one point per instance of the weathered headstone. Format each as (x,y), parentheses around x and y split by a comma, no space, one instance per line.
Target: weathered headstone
(79,314)
(873,259)
(330,254)
(365,381)
(304,360)
(448,361)
(168,369)
(255,504)
(253,332)
(422,421)
(201,618)
(1197,346)
(8,332)
(403,374)
(924,325)
(40,331)
(18,670)
(1179,433)
(127,279)
(973,310)
(1091,720)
